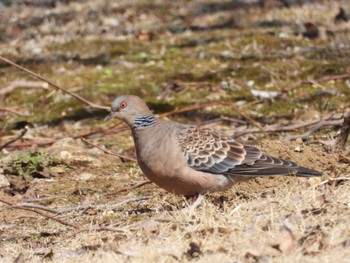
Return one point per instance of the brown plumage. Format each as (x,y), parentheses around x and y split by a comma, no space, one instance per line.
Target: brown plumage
(189,160)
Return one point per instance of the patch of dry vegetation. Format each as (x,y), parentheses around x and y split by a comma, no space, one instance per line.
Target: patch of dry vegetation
(270,219)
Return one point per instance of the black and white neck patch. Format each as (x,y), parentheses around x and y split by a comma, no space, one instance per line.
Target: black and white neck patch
(144,121)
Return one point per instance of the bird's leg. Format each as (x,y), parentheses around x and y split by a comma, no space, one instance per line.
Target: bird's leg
(195,197)
(197,200)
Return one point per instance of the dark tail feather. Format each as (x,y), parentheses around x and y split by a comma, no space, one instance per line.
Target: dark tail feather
(251,171)
(271,166)
(306,172)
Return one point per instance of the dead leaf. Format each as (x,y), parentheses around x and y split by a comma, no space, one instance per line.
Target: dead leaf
(314,211)
(321,200)
(69,253)
(311,31)
(20,258)
(256,255)
(151,226)
(288,243)
(4,182)
(48,255)
(346,243)
(342,16)
(194,251)
(313,241)
(221,250)
(44,252)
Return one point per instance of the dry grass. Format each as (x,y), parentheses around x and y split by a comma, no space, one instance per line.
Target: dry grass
(279,220)
(231,232)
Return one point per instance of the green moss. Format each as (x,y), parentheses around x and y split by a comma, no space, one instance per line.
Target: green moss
(30,165)
(146,68)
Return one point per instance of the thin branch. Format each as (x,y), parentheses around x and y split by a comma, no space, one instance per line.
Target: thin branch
(10,110)
(313,129)
(340,142)
(98,229)
(34,206)
(78,97)
(19,136)
(46,198)
(103,206)
(110,130)
(343,178)
(31,208)
(39,213)
(210,104)
(114,129)
(121,127)
(285,128)
(122,157)
(234,120)
(107,228)
(307,81)
(23,84)
(131,188)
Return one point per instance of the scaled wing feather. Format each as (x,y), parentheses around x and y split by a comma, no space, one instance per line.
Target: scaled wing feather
(210,152)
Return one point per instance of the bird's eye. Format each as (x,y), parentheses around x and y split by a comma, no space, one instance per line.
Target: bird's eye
(123,105)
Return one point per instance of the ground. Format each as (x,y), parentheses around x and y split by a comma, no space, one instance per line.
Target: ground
(239,67)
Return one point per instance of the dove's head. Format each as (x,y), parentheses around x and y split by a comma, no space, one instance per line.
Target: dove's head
(129,108)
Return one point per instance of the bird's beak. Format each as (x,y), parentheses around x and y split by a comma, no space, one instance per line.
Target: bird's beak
(110,116)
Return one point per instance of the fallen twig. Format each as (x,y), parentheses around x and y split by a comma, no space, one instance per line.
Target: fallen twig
(78,97)
(23,84)
(120,127)
(19,136)
(210,104)
(333,180)
(34,206)
(318,126)
(307,81)
(98,229)
(38,212)
(106,228)
(110,130)
(11,111)
(103,206)
(131,188)
(46,198)
(284,128)
(235,120)
(114,129)
(340,142)
(122,157)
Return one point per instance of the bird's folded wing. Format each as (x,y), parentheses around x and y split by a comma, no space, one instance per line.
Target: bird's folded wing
(210,152)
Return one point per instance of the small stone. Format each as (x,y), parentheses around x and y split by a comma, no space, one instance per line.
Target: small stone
(299,140)
(41,251)
(86,176)
(298,149)
(110,21)
(58,169)
(151,226)
(64,155)
(4,182)
(315,180)
(250,83)
(227,54)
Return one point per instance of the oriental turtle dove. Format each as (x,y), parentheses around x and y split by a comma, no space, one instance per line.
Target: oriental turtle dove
(190,160)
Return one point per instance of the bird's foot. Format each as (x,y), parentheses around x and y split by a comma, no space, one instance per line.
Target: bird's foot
(197,200)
